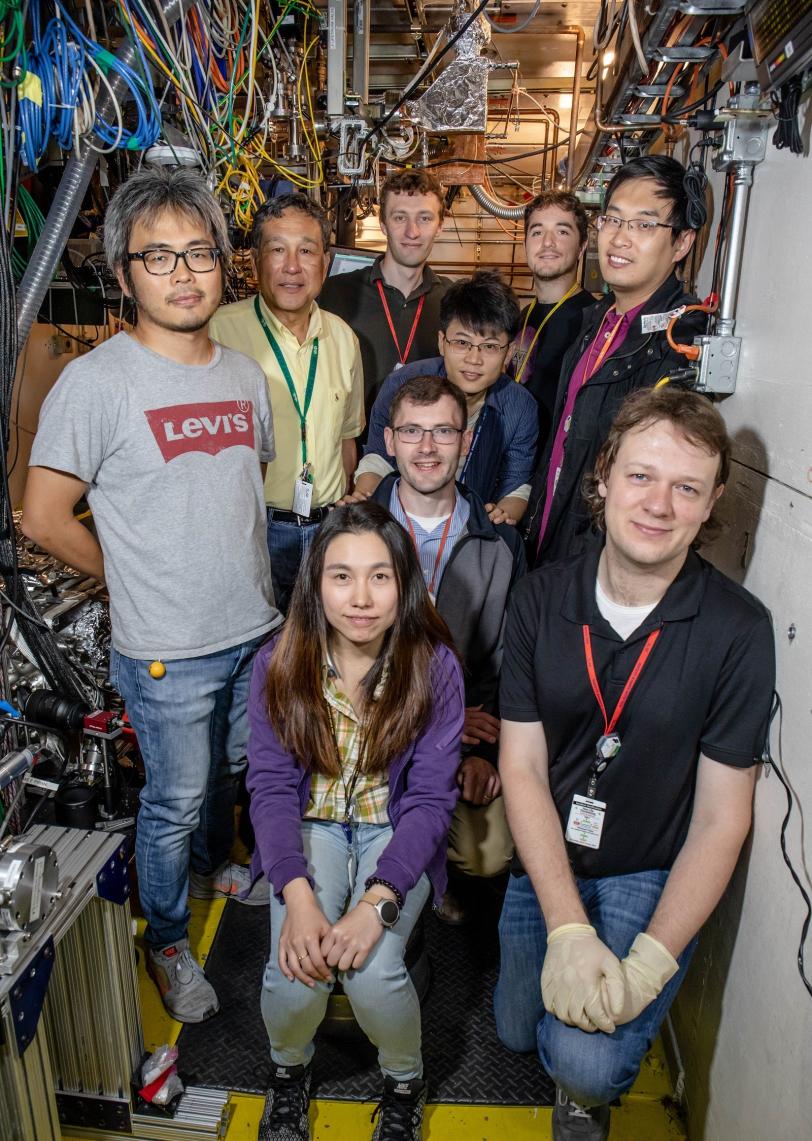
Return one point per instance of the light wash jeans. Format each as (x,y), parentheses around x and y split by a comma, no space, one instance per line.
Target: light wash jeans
(381,993)
(192,729)
(593,1069)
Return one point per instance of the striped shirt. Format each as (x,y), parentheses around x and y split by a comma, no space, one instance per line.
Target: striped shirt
(369,794)
(428,541)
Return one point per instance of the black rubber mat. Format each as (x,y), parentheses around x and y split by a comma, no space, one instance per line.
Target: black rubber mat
(463,1059)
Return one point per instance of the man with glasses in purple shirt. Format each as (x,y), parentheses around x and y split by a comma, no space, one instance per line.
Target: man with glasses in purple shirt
(646,232)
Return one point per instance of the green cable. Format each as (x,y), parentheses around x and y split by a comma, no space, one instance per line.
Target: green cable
(34,221)
(231,91)
(16,31)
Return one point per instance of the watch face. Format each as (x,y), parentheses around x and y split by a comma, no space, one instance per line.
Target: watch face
(389,912)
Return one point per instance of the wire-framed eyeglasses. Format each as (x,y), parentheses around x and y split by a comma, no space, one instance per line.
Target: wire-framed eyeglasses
(442,434)
(613,225)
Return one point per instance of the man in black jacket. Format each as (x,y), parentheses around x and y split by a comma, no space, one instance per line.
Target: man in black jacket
(470,565)
(647,229)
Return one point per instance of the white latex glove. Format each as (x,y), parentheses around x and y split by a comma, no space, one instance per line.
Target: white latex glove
(646,969)
(582,983)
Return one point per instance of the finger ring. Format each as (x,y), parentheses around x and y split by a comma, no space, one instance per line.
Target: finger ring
(487,798)
(304,956)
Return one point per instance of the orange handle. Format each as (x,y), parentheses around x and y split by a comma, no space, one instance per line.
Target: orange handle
(690,352)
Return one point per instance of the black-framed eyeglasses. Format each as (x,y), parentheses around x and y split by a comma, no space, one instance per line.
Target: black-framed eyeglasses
(161,262)
(442,434)
(614,225)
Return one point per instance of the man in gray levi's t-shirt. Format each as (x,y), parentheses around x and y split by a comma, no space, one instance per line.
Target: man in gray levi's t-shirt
(165,432)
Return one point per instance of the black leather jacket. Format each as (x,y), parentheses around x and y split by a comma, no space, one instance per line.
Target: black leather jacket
(641,361)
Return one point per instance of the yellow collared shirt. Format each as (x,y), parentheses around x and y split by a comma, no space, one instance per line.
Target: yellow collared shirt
(337,406)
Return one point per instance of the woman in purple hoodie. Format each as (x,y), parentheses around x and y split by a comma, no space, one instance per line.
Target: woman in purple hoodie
(356,713)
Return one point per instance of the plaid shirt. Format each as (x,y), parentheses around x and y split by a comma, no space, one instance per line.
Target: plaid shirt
(328,794)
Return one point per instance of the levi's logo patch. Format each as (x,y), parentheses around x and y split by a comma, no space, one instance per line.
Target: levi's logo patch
(210,428)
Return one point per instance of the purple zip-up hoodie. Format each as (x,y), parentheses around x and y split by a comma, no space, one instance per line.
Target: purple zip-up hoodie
(422,789)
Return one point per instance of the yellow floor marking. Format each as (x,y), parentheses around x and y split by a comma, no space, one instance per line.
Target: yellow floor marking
(637,1119)
(159,1028)
(643,1116)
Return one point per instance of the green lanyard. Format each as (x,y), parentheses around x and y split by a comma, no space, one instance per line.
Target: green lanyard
(283,364)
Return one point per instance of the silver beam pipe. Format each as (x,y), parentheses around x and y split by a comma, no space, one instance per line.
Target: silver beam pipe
(336,57)
(69,195)
(498,209)
(742,182)
(362,17)
(575,109)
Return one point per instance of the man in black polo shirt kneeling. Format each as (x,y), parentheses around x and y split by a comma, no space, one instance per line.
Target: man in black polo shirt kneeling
(635,694)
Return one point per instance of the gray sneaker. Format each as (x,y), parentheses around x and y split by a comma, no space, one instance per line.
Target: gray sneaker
(571,1122)
(400,1110)
(231,881)
(285,1115)
(186,992)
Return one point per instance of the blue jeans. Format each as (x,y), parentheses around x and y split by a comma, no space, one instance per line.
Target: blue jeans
(593,1069)
(192,729)
(380,992)
(287,544)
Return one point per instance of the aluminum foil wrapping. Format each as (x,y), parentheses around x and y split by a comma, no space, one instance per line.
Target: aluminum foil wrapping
(75,607)
(458,98)
(90,635)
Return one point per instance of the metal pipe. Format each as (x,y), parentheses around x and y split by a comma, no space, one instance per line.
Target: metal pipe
(498,209)
(336,57)
(576,101)
(600,125)
(556,120)
(609,128)
(742,182)
(360,49)
(577,31)
(69,195)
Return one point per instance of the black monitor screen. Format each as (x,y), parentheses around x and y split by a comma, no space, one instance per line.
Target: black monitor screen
(345,259)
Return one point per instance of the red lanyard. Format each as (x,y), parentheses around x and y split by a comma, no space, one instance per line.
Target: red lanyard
(443,538)
(402,356)
(608,726)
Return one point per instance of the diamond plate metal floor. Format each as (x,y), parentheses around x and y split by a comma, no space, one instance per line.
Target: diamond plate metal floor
(464,1061)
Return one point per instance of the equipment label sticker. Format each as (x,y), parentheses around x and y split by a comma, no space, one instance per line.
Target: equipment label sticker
(36,889)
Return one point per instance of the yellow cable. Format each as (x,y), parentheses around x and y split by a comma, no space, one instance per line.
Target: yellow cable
(312,144)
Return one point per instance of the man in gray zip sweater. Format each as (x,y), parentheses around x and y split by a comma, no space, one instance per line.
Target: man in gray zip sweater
(469,565)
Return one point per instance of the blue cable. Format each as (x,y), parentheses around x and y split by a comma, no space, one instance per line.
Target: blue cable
(59,61)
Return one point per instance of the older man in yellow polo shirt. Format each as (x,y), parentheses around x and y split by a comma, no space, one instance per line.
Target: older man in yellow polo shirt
(313,364)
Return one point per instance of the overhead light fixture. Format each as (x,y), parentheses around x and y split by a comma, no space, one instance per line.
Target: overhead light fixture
(565,101)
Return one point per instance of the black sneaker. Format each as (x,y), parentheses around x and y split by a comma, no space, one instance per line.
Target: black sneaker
(285,1114)
(400,1110)
(571,1122)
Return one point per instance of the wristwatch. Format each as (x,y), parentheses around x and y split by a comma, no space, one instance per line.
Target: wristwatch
(388,911)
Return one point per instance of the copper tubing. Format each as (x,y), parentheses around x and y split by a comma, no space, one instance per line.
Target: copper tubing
(577,31)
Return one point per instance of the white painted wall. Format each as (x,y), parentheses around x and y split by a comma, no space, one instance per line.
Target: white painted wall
(744,1019)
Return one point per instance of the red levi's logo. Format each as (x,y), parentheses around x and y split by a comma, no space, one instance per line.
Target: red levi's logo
(208,428)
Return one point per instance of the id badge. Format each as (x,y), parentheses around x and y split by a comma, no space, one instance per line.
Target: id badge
(658,322)
(585,824)
(303,492)
(302,497)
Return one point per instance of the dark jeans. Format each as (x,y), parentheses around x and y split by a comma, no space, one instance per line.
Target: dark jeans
(287,544)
